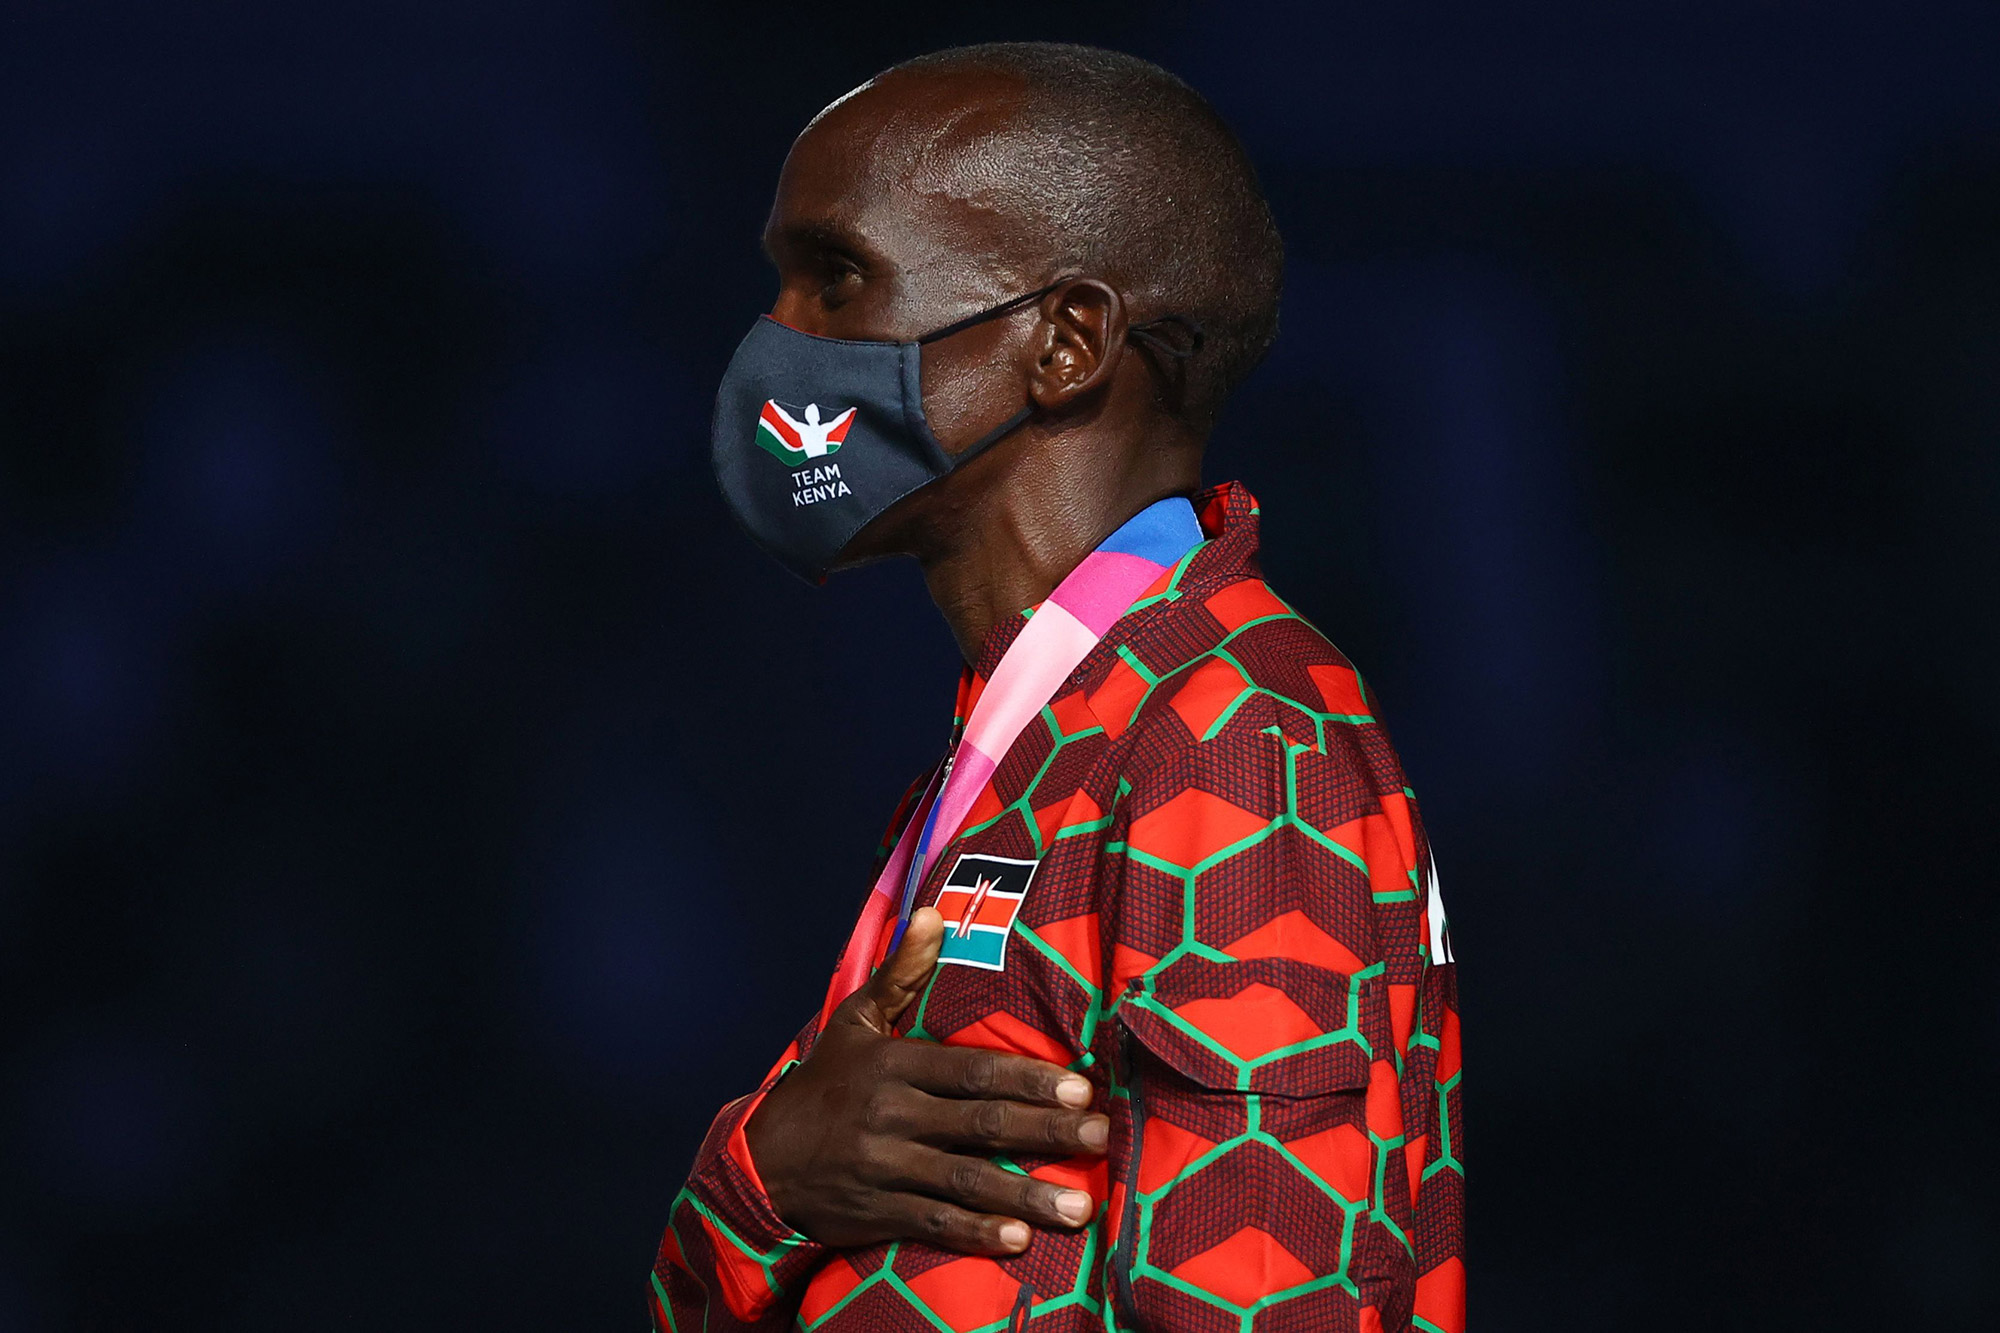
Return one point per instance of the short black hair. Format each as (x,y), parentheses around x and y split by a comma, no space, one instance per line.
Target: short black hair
(1135,178)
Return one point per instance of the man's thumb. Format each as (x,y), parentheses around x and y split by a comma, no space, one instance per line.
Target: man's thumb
(903,973)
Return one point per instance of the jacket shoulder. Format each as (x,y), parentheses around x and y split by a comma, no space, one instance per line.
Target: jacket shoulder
(1232,668)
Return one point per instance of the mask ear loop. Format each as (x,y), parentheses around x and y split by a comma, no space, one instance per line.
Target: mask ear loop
(1013,423)
(1148,336)
(1169,358)
(992,312)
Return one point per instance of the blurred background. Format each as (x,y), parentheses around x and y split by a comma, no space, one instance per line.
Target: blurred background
(420,807)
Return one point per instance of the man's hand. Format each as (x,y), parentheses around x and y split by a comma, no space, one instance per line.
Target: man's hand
(855,1145)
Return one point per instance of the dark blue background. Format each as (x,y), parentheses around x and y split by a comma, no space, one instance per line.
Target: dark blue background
(419,807)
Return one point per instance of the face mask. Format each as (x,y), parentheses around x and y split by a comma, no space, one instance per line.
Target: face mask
(815,437)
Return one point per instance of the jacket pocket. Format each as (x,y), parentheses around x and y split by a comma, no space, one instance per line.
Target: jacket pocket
(1199,1036)
(1265,1025)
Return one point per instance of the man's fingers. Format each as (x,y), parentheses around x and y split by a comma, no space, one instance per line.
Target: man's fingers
(964,1071)
(947,1226)
(977,1185)
(903,973)
(1001,1126)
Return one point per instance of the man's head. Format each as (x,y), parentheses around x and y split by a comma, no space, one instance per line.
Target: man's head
(960,179)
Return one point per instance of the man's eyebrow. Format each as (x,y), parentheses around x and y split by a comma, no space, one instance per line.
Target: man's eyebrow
(821,236)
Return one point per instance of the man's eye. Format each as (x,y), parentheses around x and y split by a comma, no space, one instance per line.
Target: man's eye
(841,279)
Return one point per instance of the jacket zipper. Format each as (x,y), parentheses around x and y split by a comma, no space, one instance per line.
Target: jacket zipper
(1124,1254)
(1024,1302)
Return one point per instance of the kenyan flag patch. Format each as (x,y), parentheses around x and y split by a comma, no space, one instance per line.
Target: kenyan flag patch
(981,897)
(797,435)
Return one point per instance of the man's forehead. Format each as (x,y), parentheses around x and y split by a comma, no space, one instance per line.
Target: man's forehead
(906,143)
(906,117)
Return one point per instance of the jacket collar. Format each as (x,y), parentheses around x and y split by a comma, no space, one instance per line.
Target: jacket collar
(1228,516)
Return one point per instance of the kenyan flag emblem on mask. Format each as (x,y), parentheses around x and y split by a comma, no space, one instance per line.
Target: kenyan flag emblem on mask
(799,436)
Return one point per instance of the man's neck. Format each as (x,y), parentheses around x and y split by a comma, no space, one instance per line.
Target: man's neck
(1009,548)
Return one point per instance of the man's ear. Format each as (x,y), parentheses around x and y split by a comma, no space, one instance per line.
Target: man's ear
(1082,341)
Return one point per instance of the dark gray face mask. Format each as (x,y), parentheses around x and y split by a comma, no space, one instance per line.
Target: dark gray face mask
(815,437)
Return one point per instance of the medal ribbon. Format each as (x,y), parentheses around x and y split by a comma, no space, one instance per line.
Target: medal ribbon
(1054,642)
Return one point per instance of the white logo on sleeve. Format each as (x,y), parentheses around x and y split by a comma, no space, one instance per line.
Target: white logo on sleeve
(1440,931)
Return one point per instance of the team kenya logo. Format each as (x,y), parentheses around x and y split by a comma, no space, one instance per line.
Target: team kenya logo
(799,442)
(981,897)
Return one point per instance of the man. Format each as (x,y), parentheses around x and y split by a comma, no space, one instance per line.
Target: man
(1148,1021)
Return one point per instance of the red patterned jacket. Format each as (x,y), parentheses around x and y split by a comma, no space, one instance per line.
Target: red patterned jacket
(1228,930)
